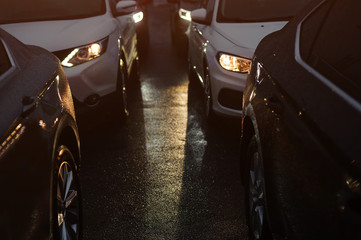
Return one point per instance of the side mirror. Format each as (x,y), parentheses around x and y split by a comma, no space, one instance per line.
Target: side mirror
(125,7)
(199,16)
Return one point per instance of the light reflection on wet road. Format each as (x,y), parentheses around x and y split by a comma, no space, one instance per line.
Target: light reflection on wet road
(163,174)
(165,114)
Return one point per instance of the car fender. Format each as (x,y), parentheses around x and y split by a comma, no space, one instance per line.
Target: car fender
(249,113)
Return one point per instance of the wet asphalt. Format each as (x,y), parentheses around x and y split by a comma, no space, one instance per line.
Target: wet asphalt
(164,173)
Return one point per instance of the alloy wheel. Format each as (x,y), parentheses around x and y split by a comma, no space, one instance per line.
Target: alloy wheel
(256,196)
(67,199)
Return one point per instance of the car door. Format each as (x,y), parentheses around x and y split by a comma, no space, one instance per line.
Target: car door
(309,124)
(198,40)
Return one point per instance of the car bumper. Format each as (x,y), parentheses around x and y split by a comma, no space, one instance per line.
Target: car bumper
(227,90)
(96,77)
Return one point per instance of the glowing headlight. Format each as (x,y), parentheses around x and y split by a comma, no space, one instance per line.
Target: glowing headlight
(185,14)
(84,54)
(137,17)
(234,63)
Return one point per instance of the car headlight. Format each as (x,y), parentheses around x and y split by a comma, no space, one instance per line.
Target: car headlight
(234,63)
(85,53)
(185,14)
(137,17)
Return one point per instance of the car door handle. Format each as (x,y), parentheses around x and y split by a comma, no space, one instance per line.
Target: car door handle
(274,104)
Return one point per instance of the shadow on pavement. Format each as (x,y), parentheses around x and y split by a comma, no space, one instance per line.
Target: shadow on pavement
(113,171)
(212,195)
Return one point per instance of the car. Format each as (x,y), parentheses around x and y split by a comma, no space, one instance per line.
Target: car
(180,18)
(141,20)
(39,146)
(223,35)
(97,44)
(301,127)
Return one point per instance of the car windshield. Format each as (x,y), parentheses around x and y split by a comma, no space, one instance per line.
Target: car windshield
(13,11)
(258,10)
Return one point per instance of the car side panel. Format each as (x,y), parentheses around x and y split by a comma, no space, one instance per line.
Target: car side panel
(303,175)
(129,37)
(26,171)
(198,44)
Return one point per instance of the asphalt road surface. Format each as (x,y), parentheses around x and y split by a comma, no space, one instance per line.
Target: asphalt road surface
(164,173)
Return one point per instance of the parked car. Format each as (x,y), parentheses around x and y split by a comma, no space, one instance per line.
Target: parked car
(301,127)
(141,20)
(180,18)
(39,146)
(222,38)
(96,44)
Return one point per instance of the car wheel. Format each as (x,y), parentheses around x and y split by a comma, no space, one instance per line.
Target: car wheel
(208,100)
(122,89)
(255,193)
(67,198)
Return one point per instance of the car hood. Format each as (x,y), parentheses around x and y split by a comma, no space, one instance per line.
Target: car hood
(33,68)
(62,34)
(247,35)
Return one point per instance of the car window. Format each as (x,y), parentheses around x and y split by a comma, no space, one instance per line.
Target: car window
(209,6)
(311,27)
(12,11)
(258,10)
(113,4)
(336,50)
(204,3)
(5,63)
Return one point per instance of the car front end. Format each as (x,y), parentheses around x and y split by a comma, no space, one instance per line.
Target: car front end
(88,43)
(93,75)
(228,79)
(229,55)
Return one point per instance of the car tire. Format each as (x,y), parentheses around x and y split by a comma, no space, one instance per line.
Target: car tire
(67,207)
(121,94)
(208,99)
(255,193)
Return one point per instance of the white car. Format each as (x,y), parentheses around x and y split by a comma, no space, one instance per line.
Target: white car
(95,41)
(222,38)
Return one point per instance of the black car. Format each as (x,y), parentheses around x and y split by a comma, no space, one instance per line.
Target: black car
(301,127)
(39,146)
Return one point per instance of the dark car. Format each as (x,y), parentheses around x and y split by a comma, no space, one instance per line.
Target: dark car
(39,146)
(301,127)
(180,18)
